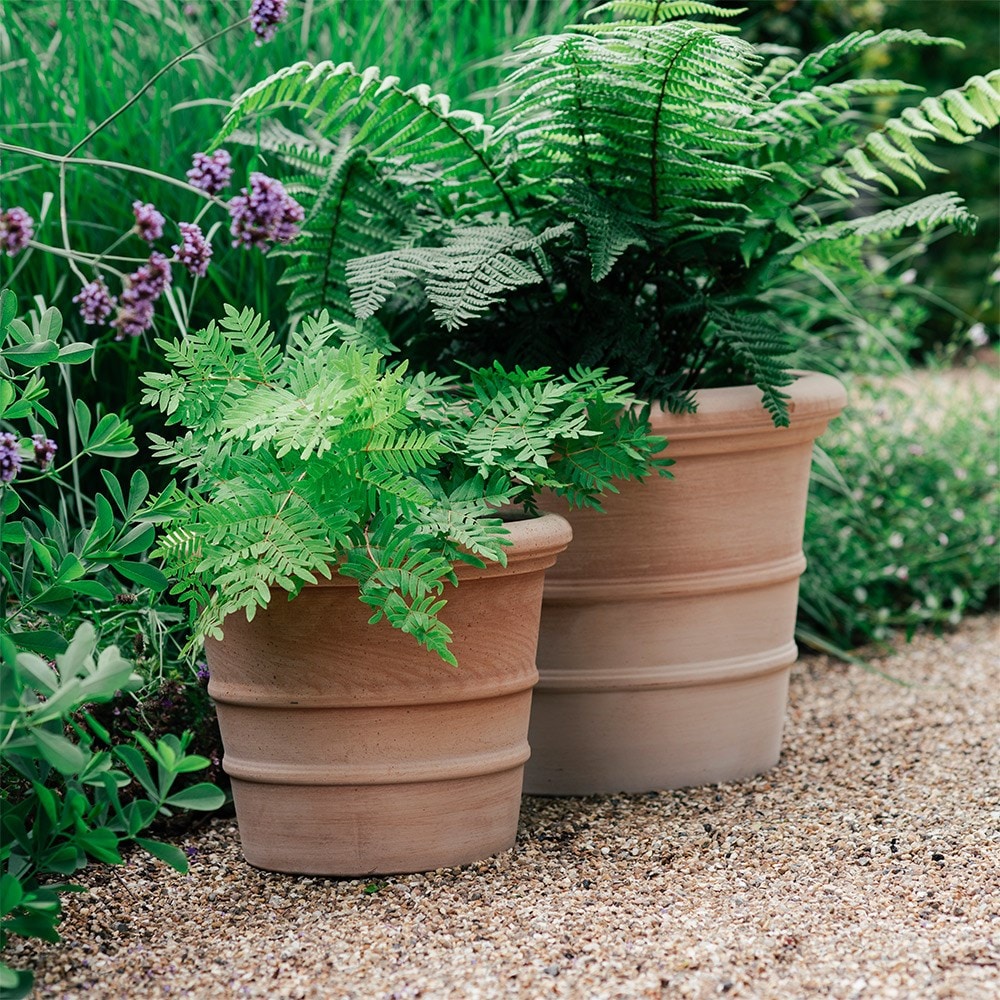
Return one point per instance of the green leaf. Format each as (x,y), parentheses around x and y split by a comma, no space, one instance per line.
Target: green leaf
(64,756)
(93,589)
(34,924)
(8,309)
(173,856)
(204,797)
(32,355)
(136,541)
(43,641)
(63,861)
(76,354)
(70,569)
(35,672)
(15,984)
(50,324)
(101,844)
(143,574)
(136,763)
(11,894)
(6,396)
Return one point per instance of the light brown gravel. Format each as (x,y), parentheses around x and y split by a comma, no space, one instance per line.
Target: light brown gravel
(866,865)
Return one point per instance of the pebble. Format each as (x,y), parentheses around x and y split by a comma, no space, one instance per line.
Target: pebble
(864,865)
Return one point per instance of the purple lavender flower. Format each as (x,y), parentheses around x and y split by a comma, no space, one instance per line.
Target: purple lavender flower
(45,450)
(142,288)
(16,229)
(268,214)
(148,222)
(194,251)
(96,302)
(211,173)
(10,457)
(202,673)
(265,16)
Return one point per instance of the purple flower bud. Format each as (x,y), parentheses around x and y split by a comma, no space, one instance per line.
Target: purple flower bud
(10,457)
(211,173)
(202,673)
(265,16)
(45,450)
(142,288)
(148,222)
(194,251)
(96,302)
(16,229)
(265,215)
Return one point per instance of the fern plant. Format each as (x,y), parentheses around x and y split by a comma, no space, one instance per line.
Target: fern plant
(319,458)
(637,203)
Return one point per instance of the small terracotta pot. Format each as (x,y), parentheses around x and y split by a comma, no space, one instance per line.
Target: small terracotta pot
(668,626)
(352,750)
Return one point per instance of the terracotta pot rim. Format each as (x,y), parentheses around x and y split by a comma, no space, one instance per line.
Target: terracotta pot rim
(813,396)
(534,540)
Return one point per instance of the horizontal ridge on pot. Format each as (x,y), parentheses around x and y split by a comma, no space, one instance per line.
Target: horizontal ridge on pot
(668,626)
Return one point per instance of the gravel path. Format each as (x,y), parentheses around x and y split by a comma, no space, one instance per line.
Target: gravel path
(867,864)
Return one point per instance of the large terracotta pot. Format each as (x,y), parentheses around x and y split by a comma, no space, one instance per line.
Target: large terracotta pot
(668,626)
(352,750)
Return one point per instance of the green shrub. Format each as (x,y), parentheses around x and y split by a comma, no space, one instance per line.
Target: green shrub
(73,788)
(904,532)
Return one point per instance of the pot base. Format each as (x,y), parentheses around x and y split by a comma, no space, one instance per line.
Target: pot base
(362,830)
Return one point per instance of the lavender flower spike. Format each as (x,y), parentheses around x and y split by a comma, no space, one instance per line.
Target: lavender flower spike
(211,173)
(148,222)
(194,251)
(96,302)
(16,229)
(265,215)
(142,288)
(10,457)
(265,16)
(45,450)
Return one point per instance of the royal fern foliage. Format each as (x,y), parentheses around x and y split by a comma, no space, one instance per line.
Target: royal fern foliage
(318,458)
(647,183)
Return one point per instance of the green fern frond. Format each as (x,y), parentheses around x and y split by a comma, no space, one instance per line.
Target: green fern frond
(402,131)
(589,466)
(475,269)
(673,128)
(925,214)
(756,343)
(350,211)
(651,12)
(817,65)
(957,115)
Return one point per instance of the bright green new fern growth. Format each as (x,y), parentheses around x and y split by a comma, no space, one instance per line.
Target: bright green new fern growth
(318,458)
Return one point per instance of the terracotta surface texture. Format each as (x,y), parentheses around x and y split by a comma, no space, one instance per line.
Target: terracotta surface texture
(668,625)
(352,750)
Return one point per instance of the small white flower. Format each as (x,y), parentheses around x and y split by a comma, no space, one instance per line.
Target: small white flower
(942,539)
(895,540)
(908,276)
(961,474)
(977,335)
(927,502)
(958,514)
(902,573)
